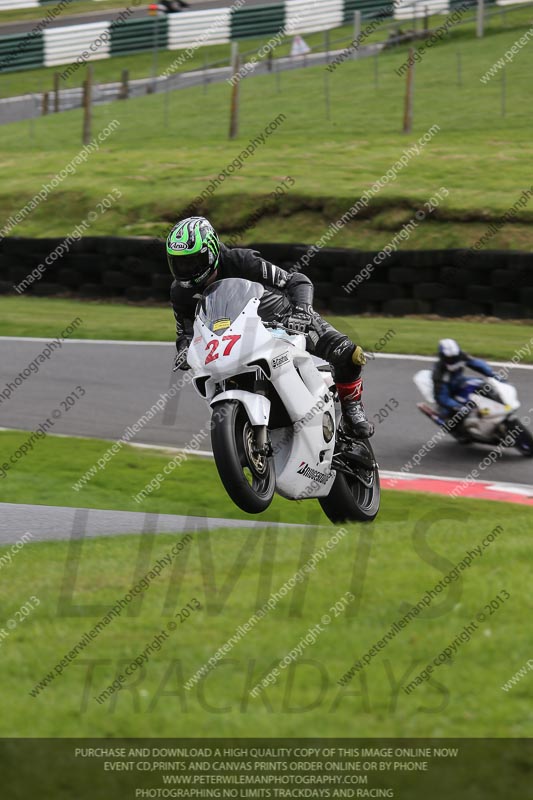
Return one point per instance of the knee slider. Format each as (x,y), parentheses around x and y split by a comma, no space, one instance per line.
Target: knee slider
(358,356)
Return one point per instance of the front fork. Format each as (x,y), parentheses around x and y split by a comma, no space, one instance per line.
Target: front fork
(263,446)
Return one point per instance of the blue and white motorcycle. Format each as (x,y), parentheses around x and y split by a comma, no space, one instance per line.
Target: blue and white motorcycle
(492,419)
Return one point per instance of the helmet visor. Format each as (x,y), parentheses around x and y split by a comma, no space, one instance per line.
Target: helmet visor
(189,269)
(454,362)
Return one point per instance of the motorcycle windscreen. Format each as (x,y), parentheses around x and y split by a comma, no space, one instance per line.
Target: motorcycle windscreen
(224,300)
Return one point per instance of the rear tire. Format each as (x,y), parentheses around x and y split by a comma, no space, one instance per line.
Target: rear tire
(523,438)
(351,499)
(249,479)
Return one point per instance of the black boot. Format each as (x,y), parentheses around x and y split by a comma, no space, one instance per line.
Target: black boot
(355,420)
(353,412)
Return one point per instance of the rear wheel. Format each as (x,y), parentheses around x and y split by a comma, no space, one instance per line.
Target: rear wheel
(523,439)
(248,476)
(355,494)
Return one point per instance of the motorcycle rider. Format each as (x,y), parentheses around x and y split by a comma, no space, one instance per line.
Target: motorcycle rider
(197,258)
(448,379)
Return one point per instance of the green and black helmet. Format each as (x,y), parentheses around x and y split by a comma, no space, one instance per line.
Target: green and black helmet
(193,251)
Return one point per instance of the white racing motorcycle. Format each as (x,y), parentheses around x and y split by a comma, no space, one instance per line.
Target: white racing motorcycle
(276,421)
(492,419)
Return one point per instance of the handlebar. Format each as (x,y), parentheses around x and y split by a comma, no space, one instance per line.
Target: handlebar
(275,325)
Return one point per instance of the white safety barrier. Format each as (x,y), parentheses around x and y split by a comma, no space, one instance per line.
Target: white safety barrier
(86,42)
(406,9)
(200,28)
(307,16)
(14,5)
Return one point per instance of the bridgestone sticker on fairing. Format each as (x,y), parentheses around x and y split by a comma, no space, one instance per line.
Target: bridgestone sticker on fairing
(305,470)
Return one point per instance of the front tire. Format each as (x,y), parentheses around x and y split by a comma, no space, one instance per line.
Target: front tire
(248,478)
(354,499)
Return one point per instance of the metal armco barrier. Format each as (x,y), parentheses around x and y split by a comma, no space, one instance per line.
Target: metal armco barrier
(92,41)
(98,40)
(21,51)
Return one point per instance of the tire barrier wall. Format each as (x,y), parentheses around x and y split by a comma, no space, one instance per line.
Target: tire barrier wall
(450,283)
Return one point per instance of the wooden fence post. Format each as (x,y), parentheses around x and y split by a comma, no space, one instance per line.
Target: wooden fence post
(56,92)
(124,91)
(234,110)
(87,105)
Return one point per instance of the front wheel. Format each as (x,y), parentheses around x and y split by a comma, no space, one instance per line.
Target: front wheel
(248,476)
(355,494)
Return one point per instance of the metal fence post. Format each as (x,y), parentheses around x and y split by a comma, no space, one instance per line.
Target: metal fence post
(165,102)
(32,117)
(408,105)
(326,95)
(356,32)
(205,75)
(480,18)
(155,54)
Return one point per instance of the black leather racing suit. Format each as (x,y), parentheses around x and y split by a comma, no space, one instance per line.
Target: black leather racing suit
(283,290)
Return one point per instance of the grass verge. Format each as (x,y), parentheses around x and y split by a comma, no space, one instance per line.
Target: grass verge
(43,317)
(387,566)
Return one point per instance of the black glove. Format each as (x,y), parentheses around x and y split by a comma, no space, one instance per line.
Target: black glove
(180,362)
(300,318)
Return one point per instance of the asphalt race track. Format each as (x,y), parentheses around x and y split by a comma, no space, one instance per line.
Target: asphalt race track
(49,523)
(122,381)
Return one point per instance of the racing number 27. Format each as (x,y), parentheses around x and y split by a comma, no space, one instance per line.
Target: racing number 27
(212,346)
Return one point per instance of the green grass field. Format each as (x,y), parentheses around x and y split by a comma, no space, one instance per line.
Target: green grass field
(232,573)
(161,159)
(487,337)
